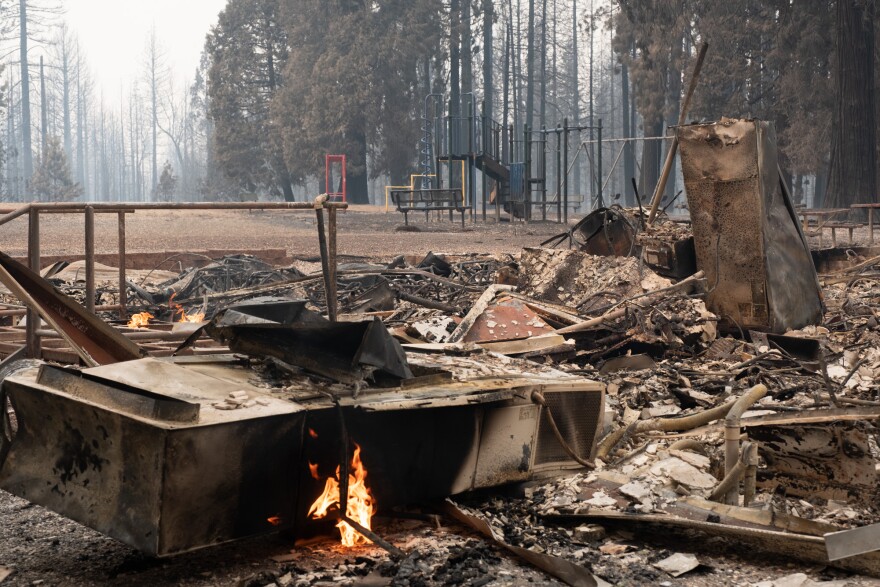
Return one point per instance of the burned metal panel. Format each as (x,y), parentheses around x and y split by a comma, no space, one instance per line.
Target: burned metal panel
(162,486)
(507,445)
(832,461)
(228,481)
(345,351)
(93,465)
(747,238)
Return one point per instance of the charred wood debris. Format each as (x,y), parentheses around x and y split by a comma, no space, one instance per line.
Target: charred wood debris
(806,435)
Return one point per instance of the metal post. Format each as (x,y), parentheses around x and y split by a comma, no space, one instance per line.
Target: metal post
(90,259)
(599,163)
(544,172)
(511,154)
(331,230)
(527,175)
(32,339)
(558,173)
(325,264)
(565,171)
(123,288)
(486,142)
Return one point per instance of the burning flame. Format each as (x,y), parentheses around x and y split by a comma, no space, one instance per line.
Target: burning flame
(360,507)
(184,317)
(274,520)
(141,320)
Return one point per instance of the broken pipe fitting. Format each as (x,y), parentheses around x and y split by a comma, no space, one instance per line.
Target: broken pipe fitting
(732,432)
(734,474)
(750,480)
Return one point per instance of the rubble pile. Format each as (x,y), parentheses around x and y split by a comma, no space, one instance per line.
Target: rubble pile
(752,440)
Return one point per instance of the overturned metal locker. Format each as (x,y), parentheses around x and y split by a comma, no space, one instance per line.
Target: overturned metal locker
(748,240)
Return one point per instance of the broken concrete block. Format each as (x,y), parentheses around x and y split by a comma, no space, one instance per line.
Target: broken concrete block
(684,473)
(678,564)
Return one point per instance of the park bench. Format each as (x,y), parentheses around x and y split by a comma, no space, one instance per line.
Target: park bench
(427,201)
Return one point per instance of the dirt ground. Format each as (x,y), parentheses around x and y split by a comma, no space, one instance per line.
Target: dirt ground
(42,548)
(364,231)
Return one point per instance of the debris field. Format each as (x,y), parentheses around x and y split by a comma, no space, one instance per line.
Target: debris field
(626,403)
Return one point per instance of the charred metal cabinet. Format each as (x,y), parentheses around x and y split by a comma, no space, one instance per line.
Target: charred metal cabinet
(748,240)
(160,470)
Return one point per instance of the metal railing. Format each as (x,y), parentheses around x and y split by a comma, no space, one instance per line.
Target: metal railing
(89,209)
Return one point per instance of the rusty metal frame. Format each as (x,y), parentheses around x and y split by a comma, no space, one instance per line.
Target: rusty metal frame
(89,209)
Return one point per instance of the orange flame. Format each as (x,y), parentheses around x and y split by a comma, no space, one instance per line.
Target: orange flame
(312,433)
(184,317)
(360,507)
(274,520)
(141,320)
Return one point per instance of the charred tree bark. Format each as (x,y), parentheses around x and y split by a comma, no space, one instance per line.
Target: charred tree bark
(853,175)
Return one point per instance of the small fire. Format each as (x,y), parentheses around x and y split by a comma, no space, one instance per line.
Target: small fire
(361,506)
(184,317)
(274,520)
(141,320)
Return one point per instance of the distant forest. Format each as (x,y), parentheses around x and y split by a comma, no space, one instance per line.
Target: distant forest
(281,83)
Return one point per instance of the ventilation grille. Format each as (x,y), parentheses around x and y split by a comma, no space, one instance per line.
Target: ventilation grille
(577,414)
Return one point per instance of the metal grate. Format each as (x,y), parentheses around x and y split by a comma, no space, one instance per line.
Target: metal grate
(577,413)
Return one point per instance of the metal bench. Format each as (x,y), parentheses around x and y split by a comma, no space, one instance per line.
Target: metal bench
(427,201)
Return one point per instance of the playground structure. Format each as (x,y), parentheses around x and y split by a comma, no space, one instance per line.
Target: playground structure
(513,165)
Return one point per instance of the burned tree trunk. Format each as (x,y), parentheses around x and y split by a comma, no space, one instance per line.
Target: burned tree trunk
(853,176)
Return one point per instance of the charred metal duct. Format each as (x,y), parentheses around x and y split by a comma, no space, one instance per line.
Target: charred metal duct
(748,240)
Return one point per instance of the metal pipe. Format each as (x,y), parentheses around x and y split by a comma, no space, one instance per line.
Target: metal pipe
(145,335)
(325,263)
(22,210)
(564,169)
(601,198)
(331,230)
(750,481)
(731,478)
(22,311)
(32,339)
(558,171)
(90,259)
(118,206)
(123,290)
(732,432)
